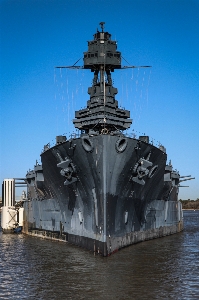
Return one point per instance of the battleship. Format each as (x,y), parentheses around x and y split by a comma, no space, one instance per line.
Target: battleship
(102,189)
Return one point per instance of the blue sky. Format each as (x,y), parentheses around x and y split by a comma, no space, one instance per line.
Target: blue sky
(37,101)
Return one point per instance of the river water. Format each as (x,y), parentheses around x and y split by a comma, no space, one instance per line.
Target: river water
(165,268)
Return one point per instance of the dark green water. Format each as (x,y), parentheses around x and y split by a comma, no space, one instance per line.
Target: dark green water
(166,268)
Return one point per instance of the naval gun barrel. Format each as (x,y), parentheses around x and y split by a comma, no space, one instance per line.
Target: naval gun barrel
(186,178)
(183,186)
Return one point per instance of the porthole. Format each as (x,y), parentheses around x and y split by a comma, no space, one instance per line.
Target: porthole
(87,144)
(152,171)
(121,144)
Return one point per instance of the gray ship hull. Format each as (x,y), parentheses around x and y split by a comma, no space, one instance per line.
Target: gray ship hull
(102,192)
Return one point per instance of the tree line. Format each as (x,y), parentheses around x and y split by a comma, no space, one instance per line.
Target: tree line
(190,204)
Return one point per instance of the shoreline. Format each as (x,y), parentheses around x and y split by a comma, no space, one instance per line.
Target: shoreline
(190,209)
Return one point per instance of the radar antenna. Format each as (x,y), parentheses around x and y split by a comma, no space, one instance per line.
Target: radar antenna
(102,25)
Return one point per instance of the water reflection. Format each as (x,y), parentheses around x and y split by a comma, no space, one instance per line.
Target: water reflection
(166,268)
